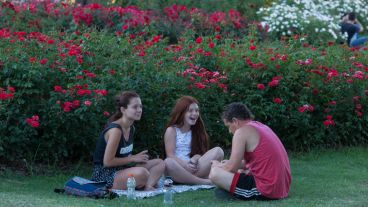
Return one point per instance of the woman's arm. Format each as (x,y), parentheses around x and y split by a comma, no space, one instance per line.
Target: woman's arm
(113,137)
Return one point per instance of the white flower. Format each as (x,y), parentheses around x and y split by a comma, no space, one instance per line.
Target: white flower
(296,13)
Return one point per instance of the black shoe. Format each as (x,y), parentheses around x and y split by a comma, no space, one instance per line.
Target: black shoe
(223,194)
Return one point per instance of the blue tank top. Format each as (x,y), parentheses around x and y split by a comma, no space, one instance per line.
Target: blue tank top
(125,148)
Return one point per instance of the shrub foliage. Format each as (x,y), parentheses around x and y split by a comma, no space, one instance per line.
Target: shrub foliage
(56,86)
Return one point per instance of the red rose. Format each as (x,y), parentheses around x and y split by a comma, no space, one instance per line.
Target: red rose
(32,59)
(211,45)
(277,100)
(76,103)
(43,61)
(199,85)
(33,121)
(58,89)
(35,117)
(101,92)
(302,108)
(11,89)
(273,83)
(261,86)
(106,113)
(87,103)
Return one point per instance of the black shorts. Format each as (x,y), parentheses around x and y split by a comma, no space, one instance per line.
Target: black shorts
(244,187)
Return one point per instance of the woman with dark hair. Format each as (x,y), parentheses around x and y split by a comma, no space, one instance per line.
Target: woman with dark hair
(186,144)
(113,159)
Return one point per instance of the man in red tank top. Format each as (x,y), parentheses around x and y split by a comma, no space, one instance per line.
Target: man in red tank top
(258,167)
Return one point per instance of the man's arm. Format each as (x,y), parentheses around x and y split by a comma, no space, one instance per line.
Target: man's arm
(237,152)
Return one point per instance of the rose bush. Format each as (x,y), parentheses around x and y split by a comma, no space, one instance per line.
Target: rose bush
(56,87)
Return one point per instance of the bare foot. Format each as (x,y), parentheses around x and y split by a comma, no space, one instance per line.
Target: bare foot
(204,181)
(149,188)
(207,182)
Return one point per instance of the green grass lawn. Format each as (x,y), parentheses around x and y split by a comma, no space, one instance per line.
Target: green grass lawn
(330,178)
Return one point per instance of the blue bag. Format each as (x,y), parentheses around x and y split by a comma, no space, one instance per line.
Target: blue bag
(82,187)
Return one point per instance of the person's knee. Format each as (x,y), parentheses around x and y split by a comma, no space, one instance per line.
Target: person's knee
(161,164)
(169,163)
(142,172)
(142,175)
(156,161)
(219,153)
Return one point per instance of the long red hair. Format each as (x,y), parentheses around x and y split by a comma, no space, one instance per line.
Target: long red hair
(199,143)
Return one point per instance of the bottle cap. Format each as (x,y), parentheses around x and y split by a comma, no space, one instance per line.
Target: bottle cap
(130,175)
(168,182)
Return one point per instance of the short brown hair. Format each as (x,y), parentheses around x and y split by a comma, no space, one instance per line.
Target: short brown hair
(236,110)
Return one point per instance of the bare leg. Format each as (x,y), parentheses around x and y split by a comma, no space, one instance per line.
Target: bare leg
(156,168)
(140,175)
(181,175)
(221,178)
(204,163)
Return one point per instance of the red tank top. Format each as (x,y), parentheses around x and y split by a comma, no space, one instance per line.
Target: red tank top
(269,163)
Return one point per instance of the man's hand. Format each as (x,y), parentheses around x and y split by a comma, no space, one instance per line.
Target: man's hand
(216,163)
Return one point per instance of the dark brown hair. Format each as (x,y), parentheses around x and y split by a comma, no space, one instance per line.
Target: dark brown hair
(236,110)
(199,144)
(122,100)
(352,16)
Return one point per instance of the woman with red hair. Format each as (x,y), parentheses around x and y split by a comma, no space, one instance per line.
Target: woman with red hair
(186,144)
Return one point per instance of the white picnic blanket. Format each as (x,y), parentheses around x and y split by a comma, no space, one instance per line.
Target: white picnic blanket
(175,188)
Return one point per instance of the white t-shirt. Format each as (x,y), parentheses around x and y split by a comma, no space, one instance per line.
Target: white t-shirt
(182,146)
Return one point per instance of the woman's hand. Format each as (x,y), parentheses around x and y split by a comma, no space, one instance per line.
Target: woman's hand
(141,157)
(195,159)
(192,167)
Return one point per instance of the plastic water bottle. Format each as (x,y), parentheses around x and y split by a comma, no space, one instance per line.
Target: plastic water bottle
(131,187)
(168,192)
(160,183)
